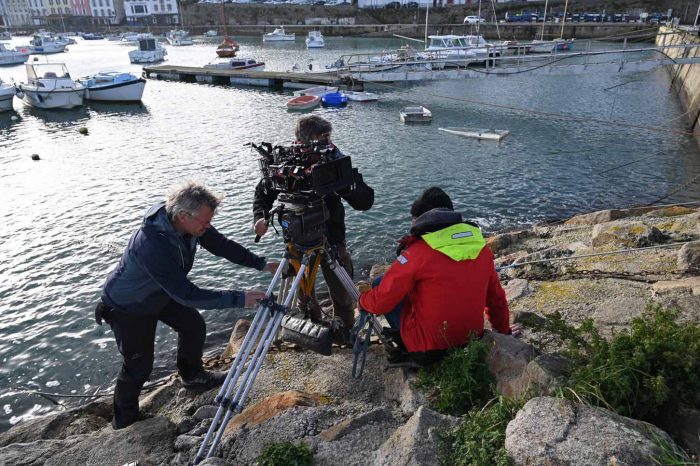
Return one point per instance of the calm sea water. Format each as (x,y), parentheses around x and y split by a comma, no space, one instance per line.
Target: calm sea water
(66,218)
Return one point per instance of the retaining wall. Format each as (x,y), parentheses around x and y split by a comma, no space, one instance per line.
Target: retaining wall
(685,79)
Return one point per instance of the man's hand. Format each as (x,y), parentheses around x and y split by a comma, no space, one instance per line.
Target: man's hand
(364,286)
(260,227)
(252,298)
(516,330)
(271,267)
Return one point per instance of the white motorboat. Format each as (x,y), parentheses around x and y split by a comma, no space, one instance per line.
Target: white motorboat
(362,96)
(415,114)
(113,86)
(316,90)
(49,85)
(477,133)
(7,93)
(211,33)
(12,57)
(148,51)
(65,40)
(135,36)
(278,35)
(237,63)
(461,50)
(179,37)
(315,40)
(44,43)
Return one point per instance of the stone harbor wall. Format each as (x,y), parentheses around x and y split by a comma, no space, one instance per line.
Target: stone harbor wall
(383,418)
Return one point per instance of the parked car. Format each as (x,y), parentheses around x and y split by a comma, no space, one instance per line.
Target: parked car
(393,5)
(411,5)
(474,20)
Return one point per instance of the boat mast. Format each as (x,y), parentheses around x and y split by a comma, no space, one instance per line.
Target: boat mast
(223,18)
(544,20)
(495,18)
(478,19)
(563,20)
(427,7)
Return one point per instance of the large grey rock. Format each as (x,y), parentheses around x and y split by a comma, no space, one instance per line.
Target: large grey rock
(150,442)
(84,419)
(507,360)
(626,234)
(35,453)
(604,216)
(400,387)
(553,431)
(415,443)
(689,257)
(346,426)
(517,288)
(235,340)
(500,243)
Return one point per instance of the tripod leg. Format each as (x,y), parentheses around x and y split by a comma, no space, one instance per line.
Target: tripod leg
(256,361)
(223,399)
(349,285)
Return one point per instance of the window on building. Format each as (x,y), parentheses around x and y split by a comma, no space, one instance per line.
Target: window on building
(139,9)
(67,10)
(155,7)
(170,7)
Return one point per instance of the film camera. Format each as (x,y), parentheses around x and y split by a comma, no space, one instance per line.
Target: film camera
(302,174)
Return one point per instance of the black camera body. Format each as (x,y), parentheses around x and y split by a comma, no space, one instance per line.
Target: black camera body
(302,174)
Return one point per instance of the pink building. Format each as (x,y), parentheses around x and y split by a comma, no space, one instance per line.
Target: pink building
(80,7)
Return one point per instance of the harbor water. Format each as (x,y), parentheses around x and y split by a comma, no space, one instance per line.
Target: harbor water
(66,218)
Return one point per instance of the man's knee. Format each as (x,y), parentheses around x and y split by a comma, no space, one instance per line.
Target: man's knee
(136,368)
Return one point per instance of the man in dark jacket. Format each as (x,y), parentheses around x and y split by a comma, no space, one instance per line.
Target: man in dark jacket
(150,284)
(360,197)
(441,284)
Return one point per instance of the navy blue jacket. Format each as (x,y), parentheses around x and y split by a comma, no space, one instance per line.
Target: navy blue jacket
(154,267)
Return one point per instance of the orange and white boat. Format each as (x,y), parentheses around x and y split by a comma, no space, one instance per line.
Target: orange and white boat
(227,48)
(303,102)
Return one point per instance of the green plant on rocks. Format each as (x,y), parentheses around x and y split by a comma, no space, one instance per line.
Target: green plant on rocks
(460,381)
(479,439)
(652,367)
(286,454)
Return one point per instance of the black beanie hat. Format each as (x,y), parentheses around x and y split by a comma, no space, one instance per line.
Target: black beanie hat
(432,198)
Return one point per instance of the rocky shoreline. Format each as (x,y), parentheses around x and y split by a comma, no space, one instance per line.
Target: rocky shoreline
(383,418)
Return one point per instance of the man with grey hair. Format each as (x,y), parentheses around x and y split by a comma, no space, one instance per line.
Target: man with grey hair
(150,284)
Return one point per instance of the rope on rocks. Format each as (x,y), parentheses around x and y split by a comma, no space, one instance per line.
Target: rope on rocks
(582,256)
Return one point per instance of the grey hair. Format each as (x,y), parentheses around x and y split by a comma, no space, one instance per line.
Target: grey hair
(312,127)
(189,197)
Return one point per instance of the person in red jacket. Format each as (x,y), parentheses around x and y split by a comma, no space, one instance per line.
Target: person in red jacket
(441,284)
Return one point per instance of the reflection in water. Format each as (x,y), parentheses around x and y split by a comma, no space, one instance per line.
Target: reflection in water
(137,109)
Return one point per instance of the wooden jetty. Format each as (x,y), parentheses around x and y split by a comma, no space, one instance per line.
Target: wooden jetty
(271,79)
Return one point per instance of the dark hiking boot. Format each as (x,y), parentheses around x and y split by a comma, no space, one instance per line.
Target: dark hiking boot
(204,380)
(123,424)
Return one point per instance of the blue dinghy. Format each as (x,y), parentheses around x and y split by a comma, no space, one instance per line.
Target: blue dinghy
(335,99)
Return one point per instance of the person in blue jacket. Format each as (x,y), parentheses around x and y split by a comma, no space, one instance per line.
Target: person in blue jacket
(150,284)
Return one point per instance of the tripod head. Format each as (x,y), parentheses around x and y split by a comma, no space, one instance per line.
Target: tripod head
(303,220)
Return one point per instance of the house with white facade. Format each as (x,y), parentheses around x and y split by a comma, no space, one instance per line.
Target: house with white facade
(155,12)
(107,11)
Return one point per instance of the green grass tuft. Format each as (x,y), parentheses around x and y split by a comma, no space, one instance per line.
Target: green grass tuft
(460,381)
(653,366)
(479,439)
(286,454)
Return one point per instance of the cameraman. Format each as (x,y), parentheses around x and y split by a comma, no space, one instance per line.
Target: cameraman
(314,129)
(150,284)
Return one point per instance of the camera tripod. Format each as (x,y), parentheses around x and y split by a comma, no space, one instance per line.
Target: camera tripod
(305,262)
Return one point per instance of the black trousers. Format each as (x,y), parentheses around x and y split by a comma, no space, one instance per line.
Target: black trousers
(135,336)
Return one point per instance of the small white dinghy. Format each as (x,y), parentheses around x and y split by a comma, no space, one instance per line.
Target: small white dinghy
(362,96)
(113,86)
(415,114)
(477,133)
(317,90)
